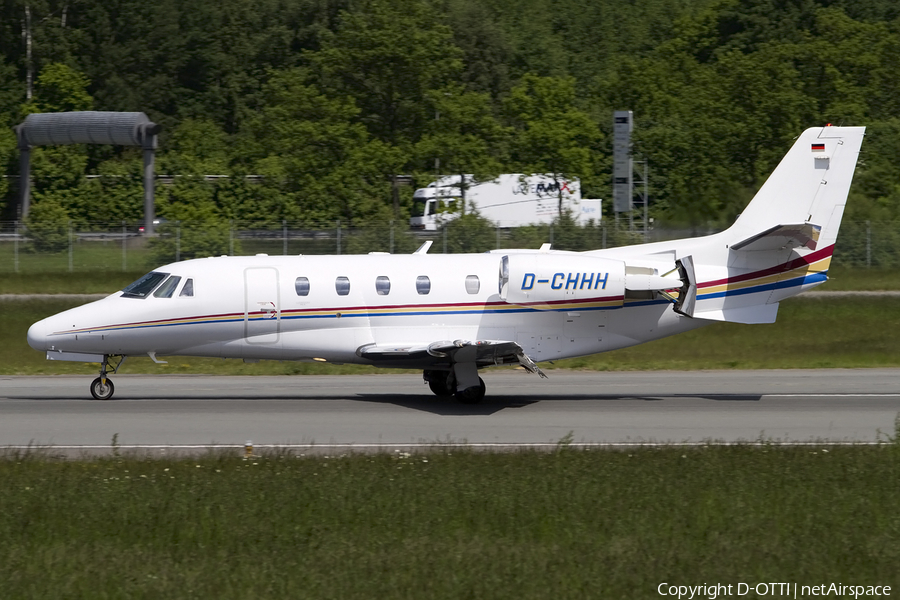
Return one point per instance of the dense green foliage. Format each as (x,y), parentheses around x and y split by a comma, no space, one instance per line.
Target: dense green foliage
(327,100)
(449,523)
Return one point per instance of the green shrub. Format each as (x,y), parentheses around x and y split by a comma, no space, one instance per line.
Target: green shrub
(48,227)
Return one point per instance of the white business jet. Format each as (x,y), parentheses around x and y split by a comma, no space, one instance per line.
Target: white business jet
(451,315)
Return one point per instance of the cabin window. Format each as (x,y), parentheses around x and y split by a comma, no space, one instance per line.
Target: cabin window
(168,288)
(342,285)
(143,286)
(472,284)
(188,290)
(423,285)
(382,285)
(301,286)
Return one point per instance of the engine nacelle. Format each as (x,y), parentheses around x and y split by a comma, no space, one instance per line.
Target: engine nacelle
(561,280)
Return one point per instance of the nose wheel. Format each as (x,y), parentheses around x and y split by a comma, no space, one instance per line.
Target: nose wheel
(102,388)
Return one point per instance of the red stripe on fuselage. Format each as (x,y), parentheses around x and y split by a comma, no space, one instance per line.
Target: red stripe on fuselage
(797,262)
(411,307)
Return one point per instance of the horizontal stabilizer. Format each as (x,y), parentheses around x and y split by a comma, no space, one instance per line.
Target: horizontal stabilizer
(780,236)
(761,313)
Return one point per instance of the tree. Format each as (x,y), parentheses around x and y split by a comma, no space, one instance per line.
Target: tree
(195,227)
(312,149)
(198,147)
(60,88)
(7,153)
(464,138)
(552,135)
(470,233)
(387,56)
(48,227)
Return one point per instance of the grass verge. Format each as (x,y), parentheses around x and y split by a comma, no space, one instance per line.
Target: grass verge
(842,279)
(810,333)
(565,524)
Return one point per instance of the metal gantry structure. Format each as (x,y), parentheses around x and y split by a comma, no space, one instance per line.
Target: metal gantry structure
(623,174)
(88,127)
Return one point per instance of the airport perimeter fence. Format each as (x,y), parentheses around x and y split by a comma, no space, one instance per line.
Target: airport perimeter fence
(111,246)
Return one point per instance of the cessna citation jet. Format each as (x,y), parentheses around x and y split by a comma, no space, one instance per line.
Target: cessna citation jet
(451,315)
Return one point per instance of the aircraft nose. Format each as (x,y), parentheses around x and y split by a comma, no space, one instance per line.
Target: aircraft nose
(39,335)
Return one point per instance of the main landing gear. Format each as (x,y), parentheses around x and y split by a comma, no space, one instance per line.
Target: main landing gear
(102,388)
(443,383)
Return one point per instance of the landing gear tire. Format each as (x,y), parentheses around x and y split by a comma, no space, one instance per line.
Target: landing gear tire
(101,391)
(439,382)
(473,395)
(439,388)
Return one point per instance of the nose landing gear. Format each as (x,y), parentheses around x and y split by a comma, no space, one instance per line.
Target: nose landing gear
(102,388)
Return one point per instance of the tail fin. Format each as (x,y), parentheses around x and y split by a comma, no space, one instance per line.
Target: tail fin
(808,189)
(783,241)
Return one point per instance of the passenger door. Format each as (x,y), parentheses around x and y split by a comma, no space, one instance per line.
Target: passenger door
(262,305)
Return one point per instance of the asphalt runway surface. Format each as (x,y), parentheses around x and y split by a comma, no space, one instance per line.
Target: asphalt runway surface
(389,412)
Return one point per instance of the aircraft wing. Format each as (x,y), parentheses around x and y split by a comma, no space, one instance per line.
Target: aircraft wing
(482,352)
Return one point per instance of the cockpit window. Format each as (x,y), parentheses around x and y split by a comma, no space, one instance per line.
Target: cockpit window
(188,290)
(168,288)
(143,286)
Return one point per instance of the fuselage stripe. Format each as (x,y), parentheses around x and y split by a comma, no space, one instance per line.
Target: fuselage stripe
(591,304)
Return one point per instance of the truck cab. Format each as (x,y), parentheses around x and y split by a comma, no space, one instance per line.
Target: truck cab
(436,204)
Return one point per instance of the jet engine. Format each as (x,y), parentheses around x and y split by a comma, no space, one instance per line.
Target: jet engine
(548,280)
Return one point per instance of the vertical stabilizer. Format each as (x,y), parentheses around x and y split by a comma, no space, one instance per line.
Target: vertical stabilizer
(782,243)
(809,186)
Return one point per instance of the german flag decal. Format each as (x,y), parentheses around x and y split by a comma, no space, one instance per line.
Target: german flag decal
(818,147)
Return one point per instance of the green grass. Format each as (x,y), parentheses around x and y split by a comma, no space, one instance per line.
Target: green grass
(860,278)
(87,257)
(810,333)
(449,524)
(66,283)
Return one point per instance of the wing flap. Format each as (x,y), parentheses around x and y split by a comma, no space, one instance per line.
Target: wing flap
(481,352)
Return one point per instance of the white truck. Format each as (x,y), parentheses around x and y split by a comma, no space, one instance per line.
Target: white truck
(510,200)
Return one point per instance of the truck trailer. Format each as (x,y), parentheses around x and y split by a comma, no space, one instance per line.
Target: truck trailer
(510,200)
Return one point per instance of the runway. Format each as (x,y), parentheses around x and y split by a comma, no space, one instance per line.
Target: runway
(396,411)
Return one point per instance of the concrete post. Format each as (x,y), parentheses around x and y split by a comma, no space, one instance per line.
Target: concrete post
(24,181)
(149,181)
